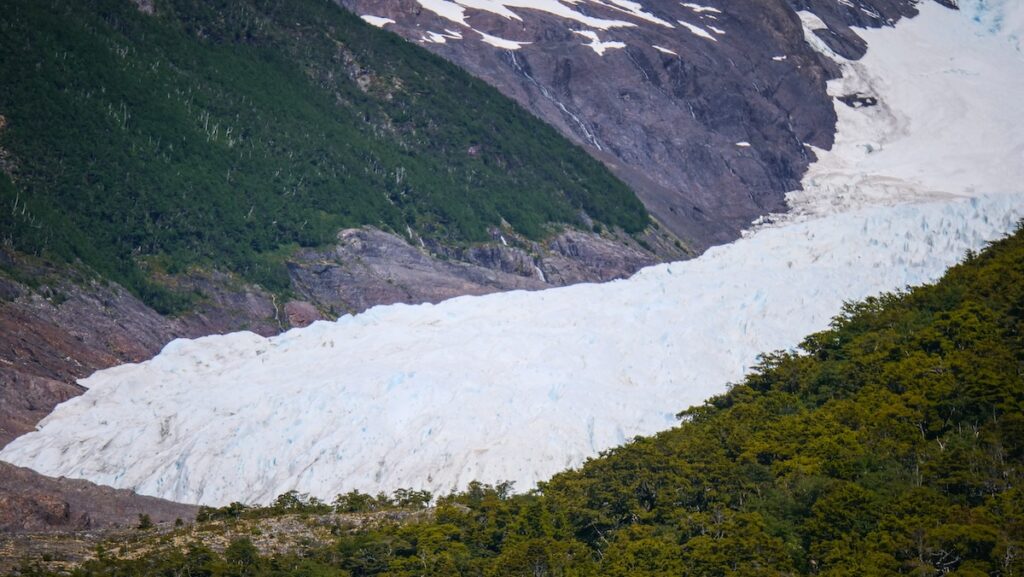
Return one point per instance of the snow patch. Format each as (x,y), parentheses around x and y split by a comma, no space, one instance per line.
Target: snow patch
(377,21)
(500,42)
(811,21)
(445,9)
(596,44)
(634,9)
(699,8)
(698,30)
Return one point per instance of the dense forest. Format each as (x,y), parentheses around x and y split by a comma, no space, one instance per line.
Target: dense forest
(227,133)
(890,444)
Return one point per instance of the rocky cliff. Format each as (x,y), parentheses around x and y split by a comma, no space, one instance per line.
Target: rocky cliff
(32,502)
(706,110)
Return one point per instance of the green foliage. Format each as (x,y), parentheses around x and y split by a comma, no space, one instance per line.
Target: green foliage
(356,502)
(893,444)
(294,502)
(220,132)
(242,558)
(228,512)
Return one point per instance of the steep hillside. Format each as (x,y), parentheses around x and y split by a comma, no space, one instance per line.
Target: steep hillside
(890,444)
(179,169)
(226,135)
(708,109)
(29,502)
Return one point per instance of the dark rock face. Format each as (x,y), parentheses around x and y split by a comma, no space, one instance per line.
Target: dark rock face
(32,502)
(708,126)
(25,399)
(70,326)
(369,267)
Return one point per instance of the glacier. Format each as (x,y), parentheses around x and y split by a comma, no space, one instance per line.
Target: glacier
(518,386)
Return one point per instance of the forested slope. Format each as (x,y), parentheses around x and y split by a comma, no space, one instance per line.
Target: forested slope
(228,133)
(891,444)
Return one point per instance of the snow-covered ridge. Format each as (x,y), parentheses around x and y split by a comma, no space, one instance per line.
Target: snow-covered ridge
(520,385)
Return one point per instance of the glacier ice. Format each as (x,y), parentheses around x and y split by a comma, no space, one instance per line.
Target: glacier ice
(517,386)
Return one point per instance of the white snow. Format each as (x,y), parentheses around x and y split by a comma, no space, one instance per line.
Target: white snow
(517,386)
(438,38)
(446,9)
(634,9)
(743,144)
(509,386)
(698,30)
(699,8)
(501,42)
(664,50)
(811,20)
(949,119)
(810,23)
(456,11)
(434,37)
(378,21)
(596,44)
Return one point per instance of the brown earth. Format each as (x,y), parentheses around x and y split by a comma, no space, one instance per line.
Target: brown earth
(30,502)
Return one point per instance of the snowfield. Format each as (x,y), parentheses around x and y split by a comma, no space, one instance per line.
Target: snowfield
(949,117)
(518,386)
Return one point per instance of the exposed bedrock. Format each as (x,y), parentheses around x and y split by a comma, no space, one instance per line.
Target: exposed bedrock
(706,109)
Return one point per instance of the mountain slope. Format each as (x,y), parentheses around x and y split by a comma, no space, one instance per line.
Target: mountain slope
(225,135)
(179,169)
(707,109)
(29,502)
